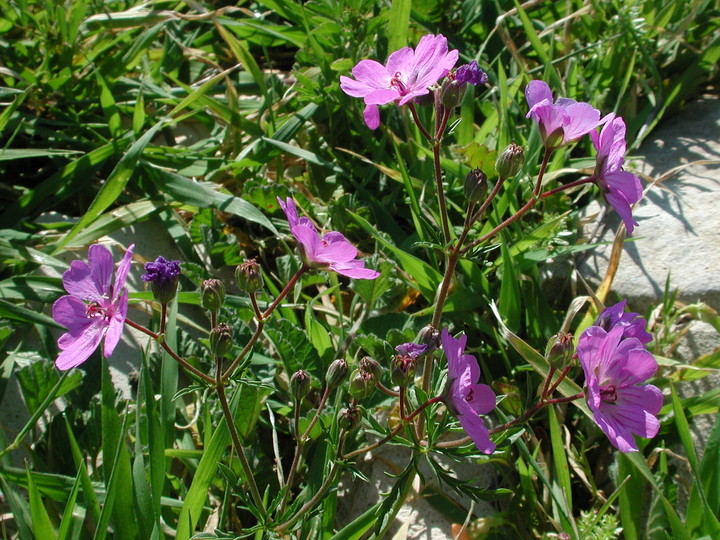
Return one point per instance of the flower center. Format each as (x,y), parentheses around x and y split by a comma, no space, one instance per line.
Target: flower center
(95,310)
(469,396)
(396,81)
(608,393)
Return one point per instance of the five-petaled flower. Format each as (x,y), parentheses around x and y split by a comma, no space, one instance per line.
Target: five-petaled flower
(561,122)
(95,307)
(467,399)
(406,75)
(615,366)
(632,324)
(331,251)
(620,188)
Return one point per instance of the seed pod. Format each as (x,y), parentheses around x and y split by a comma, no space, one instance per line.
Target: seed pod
(300,384)
(249,277)
(212,294)
(336,373)
(221,339)
(510,161)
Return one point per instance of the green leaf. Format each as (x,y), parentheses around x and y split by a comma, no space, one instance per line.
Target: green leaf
(205,195)
(19,313)
(114,185)
(42,527)
(399,24)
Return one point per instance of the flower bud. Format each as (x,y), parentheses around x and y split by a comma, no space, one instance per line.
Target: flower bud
(300,384)
(336,373)
(403,371)
(249,277)
(451,93)
(349,419)
(362,383)
(476,186)
(560,350)
(510,161)
(163,276)
(221,339)
(212,294)
(428,335)
(370,365)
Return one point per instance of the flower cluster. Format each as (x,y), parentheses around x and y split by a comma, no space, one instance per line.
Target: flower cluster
(330,251)
(565,121)
(96,307)
(163,276)
(613,356)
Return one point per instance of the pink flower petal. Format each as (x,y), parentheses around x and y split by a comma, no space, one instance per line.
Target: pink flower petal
(475,428)
(78,349)
(79,282)
(371,115)
(115,325)
(122,271)
(537,91)
(354,269)
(102,266)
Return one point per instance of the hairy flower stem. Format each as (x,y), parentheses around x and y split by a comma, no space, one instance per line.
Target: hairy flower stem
(385,390)
(570,185)
(528,205)
(327,484)
(261,317)
(300,444)
(543,166)
(163,317)
(160,339)
(395,431)
(546,384)
(441,192)
(418,123)
(230,421)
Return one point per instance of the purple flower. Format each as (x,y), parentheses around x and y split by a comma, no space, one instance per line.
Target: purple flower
(95,307)
(411,350)
(161,270)
(620,188)
(467,398)
(407,74)
(470,74)
(614,367)
(561,122)
(328,252)
(632,324)
(163,276)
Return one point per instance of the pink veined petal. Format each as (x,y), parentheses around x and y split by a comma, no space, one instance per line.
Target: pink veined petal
(371,73)
(371,115)
(536,91)
(613,130)
(470,371)
(483,398)
(400,61)
(115,325)
(549,117)
(622,207)
(633,364)
(626,183)
(79,282)
(334,248)
(475,428)
(288,206)
(412,95)
(608,353)
(310,242)
(381,96)
(70,312)
(77,350)
(102,266)
(355,88)
(583,118)
(453,351)
(589,347)
(592,391)
(432,61)
(645,396)
(122,271)
(617,434)
(354,269)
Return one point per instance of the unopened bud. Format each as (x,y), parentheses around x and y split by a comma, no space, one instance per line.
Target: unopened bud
(249,277)
(370,365)
(336,373)
(451,93)
(163,276)
(349,419)
(300,384)
(403,371)
(221,339)
(510,161)
(362,383)
(212,294)
(428,335)
(476,186)
(560,350)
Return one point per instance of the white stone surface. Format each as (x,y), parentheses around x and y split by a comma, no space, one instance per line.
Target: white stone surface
(679,232)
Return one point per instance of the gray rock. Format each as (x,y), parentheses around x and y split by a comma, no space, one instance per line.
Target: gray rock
(679,232)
